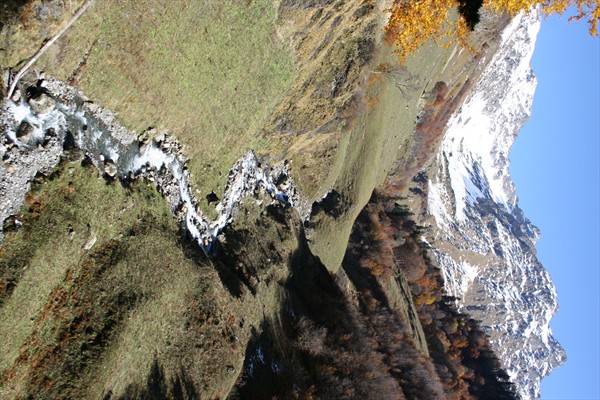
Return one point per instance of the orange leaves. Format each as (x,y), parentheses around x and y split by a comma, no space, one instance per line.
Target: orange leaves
(413,23)
(375,266)
(372,102)
(586,9)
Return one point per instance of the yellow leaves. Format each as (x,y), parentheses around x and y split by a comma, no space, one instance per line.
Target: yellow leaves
(463,36)
(586,9)
(512,7)
(413,23)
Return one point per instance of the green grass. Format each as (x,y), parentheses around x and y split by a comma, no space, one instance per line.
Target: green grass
(39,254)
(80,322)
(383,137)
(208,71)
(167,281)
(367,151)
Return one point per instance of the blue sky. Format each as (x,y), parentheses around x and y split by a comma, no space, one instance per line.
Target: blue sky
(556,168)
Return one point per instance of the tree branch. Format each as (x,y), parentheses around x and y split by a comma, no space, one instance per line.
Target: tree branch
(46,46)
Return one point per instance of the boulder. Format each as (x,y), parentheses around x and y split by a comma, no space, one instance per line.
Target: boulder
(69,142)
(90,243)
(144,137)
(42,104)
(158,139)
(110,168)
(25,131)
(16,97)
(212,197)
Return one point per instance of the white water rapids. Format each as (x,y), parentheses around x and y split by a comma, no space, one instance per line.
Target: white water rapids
(104,141)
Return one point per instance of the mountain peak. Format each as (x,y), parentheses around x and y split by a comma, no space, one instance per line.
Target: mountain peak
(486,245)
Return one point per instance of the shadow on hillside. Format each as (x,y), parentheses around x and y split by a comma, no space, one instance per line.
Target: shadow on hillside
(469,9)
(159,387)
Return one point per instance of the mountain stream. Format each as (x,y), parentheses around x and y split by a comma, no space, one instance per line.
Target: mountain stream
(37,127)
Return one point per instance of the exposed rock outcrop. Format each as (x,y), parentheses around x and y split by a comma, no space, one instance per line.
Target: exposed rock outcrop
(482,241)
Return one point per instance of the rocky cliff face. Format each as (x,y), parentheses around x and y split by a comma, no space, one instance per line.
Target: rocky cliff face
(482,241)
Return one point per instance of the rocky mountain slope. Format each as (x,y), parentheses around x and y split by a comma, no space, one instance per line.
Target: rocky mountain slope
(140,260)
(482,242)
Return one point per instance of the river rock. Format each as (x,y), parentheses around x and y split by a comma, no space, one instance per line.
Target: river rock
(212,197)
(42,83)
(25,131)
(158,139)
(42,104)
(16,97)
(110,168)
(144,137)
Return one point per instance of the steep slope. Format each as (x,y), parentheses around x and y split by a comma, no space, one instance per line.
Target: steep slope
(99,285)
(482,241)
(97,278)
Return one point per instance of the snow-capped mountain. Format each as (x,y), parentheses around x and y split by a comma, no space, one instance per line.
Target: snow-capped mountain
(483,242)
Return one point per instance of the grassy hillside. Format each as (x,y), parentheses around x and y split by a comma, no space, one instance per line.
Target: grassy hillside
(310,82)
(123,306)
(101,294)
(208,71)
(70,279)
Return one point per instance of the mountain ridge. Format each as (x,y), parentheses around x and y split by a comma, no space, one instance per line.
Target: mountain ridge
(286,296)
(483,242)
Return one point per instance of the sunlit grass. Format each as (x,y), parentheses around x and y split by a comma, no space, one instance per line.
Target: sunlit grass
(208,71)
(77,207)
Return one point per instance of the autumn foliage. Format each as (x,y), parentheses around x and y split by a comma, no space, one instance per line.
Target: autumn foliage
(386,243)
(586,9)
(413,23)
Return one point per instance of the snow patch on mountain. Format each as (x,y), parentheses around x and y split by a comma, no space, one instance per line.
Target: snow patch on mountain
(484,245)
